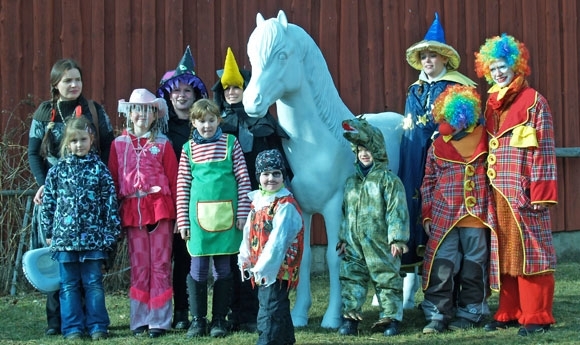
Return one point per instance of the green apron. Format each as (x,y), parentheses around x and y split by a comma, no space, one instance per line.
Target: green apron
(213,204)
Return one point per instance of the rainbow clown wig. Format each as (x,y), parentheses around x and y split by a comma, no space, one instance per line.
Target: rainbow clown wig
(459,106)
(505,47)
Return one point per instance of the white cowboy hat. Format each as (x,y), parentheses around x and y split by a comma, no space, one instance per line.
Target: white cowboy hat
(41,270)
(143,97)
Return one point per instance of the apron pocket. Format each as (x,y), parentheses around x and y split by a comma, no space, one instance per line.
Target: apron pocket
(215,215)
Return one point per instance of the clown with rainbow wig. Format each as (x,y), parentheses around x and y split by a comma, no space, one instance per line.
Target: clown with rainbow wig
(522,173)
(458,217)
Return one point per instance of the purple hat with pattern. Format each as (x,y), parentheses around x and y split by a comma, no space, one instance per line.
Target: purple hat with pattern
(185,73)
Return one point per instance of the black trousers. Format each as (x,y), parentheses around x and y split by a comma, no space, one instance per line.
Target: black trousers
(244,304)
(274,320)
(181,267)
(53,310)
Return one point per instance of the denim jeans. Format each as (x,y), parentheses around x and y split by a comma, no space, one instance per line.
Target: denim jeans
(76,275)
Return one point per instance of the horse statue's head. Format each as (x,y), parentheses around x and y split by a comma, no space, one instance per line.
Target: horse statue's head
(277,60)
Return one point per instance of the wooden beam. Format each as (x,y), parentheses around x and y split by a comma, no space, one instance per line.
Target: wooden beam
(568,152)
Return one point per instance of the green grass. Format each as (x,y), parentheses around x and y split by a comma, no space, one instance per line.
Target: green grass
(23,322)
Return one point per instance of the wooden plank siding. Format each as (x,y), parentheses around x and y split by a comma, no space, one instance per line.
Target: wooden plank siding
(128,44)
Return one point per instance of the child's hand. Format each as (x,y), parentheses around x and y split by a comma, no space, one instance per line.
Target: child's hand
(184,234)
(38,195)
(245,265)
(240,223)
(427,226)
(340,246)
(398,249)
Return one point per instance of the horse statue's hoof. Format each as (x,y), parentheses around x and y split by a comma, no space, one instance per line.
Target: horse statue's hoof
(299,320)
(331,321)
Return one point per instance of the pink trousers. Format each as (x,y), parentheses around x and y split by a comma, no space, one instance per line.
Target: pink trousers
(151,288)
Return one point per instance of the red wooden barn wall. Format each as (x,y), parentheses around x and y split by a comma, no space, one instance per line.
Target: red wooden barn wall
(127,44)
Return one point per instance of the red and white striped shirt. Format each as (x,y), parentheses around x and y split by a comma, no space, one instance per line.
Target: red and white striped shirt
(215,151)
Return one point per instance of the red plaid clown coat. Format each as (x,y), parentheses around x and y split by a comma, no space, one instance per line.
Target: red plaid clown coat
(454,188)
(522,167)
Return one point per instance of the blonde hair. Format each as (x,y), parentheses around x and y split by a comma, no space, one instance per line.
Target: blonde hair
(202,107)
(71,126)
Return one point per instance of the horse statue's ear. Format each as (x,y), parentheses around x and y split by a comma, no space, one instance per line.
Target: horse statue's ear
(282,19)
(259,19)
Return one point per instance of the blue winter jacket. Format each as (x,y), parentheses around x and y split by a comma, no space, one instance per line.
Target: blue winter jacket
(79,208)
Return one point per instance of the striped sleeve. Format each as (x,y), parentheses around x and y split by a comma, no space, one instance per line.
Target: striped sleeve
(184,178)
(243,181)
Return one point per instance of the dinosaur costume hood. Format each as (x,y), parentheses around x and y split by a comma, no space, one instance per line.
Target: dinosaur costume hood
(359,132)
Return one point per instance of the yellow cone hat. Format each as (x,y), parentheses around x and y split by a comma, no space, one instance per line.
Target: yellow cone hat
(232,75)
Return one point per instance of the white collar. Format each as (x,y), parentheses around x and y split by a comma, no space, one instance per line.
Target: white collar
(424,77)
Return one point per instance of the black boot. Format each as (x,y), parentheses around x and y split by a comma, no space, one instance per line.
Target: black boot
(197,307)
(222,293)
(180,319)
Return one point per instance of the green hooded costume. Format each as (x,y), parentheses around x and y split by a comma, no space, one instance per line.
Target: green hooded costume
(374,217)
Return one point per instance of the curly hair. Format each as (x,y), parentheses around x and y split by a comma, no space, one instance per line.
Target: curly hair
(506,47)
(458,105)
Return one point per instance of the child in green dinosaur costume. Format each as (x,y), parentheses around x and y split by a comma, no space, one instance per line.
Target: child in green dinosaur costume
(373,233)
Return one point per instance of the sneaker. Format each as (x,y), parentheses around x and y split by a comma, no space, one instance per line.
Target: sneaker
(532,329)
(248,327)
(461,324)
(381,325)
(348,327)
(156,332)
(99,335)
(73,336)
(499,325)
(197,327)
(52,331)
(392,329)
(139,331)
(181,325)
(435,326)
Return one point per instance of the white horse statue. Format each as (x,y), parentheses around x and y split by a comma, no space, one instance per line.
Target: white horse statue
(289,69)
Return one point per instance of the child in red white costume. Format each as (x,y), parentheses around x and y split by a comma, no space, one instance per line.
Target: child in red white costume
(271,248)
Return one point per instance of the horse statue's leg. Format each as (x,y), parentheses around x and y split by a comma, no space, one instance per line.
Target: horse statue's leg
(303,298)
(332,218)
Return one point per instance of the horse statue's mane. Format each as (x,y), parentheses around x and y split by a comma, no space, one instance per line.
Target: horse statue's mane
(289,69)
